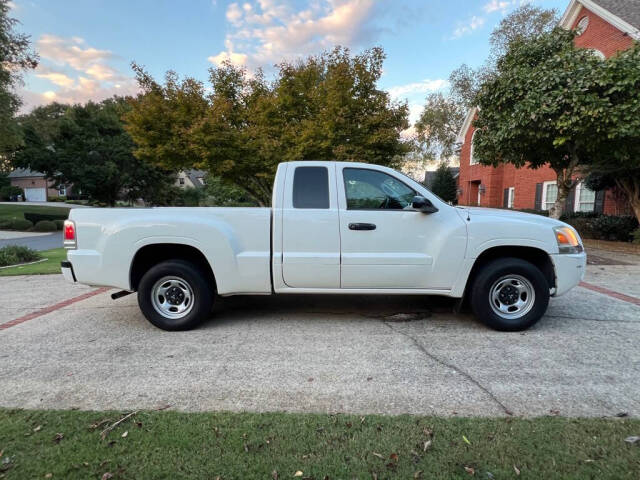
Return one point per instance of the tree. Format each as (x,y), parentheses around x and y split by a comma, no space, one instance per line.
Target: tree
(87,145)
(15,57)
(554,104)
(325,107)
(444,184)
(615,160)
(443,114)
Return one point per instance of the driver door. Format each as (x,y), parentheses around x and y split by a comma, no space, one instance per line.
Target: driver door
(384,242)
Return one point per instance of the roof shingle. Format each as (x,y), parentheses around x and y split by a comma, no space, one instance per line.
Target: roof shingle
(627,10)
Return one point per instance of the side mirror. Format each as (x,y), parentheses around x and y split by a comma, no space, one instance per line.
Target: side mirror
(423,205)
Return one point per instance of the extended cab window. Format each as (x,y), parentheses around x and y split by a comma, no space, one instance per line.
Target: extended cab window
(369,189)
(311,187)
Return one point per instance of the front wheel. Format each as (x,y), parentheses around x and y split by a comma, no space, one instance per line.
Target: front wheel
(509,294)
(175,295)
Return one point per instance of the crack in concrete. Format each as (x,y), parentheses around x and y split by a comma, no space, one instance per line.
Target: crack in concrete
(438,360)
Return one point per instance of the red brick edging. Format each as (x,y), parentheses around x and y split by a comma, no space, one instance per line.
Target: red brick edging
(51,308)
(611,293)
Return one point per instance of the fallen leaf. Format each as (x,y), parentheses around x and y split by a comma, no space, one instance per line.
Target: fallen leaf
(428,432)
(246,447)
(516,469)
(394,457)
(466,440)
(58,437)
(274,474)
(349,425)
(418,474)
(48,475)
(298,473)
(426,446)
(632,439)
(37,429)
(470,470)
(107,476)
(125,434)
(378,455)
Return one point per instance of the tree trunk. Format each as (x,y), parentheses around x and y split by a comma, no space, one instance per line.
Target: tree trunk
(630,185)
(565,183)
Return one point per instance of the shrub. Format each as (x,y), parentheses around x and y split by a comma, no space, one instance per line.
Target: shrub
(636,236)
(38,217)
(59,224)
(58,199)
(45,226)
(603,227)
(5,224)
(20,224)
(14,254)
(9,191)
(544,213)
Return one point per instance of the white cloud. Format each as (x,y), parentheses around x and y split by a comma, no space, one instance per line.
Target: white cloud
(80,72)
(264,32)
(472,24)
(497,5)
(422,87)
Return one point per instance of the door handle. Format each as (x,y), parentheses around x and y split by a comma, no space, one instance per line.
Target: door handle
(362,226)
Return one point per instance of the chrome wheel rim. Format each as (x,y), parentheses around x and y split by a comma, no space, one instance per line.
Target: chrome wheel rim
(512,297)
(172,297)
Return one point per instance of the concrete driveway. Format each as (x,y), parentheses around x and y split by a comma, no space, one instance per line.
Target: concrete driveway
(66,346)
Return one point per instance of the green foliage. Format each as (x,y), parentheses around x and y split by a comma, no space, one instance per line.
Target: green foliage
(444,184)
(326,107)
(603,227)
(20,224)
(15,57)
(36,217)
(49,266)
(189,197)
(636,236)
(13,254)
(9,191)
(87,145)
(219,193)
(59,224)
(45,226)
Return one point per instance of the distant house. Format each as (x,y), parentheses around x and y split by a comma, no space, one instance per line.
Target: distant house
(37,187)
(430,175)
(603,26)
(190,179)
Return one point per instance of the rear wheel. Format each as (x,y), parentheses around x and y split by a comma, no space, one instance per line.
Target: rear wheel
(509,294)
(175,295)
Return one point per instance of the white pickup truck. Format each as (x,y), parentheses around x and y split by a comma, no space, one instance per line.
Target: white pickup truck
(334,227)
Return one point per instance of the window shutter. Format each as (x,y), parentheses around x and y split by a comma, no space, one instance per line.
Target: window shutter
(538,204)
(570,201)
(505,198)
(598,206)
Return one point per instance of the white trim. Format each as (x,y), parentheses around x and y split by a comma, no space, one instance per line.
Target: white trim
(467,123)
(576,200)
(545,185)
(571,14)
(472,161)
(511,196)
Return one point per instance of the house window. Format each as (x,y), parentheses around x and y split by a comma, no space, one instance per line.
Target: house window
(473,160)
(597,53)
(582,25)
(549,194)
(62,191)
(585,199)
(511,197)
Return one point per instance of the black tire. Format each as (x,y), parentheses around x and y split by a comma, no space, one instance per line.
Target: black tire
(200,292)
(496,275)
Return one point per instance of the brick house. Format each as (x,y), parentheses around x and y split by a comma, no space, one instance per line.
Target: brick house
(604,26)
(36,186)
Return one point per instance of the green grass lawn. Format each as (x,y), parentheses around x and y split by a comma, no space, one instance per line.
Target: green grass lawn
(51,265)
(17,211)
(166,444)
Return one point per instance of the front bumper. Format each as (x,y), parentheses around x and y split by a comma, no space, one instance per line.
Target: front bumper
(67,272)
(570,270)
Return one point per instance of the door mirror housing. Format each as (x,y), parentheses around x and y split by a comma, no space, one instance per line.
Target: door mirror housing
(423,205)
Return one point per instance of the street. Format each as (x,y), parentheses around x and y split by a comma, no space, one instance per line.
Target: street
(324,353)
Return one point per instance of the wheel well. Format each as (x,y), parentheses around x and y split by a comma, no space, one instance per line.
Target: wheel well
(151,255)
(537,257)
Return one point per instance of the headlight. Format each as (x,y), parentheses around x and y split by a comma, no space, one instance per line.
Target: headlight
(568,240)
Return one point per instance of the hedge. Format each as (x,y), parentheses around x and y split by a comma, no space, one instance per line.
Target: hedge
(14,254)
(20,224)
(38,217)
(603,227)
(45,226)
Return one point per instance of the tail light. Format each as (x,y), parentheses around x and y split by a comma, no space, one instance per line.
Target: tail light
(69,234)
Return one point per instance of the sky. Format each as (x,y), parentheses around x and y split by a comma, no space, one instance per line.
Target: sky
(86,46)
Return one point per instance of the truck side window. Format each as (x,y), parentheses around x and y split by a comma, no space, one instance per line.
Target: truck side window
(311,187)
(372,190)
